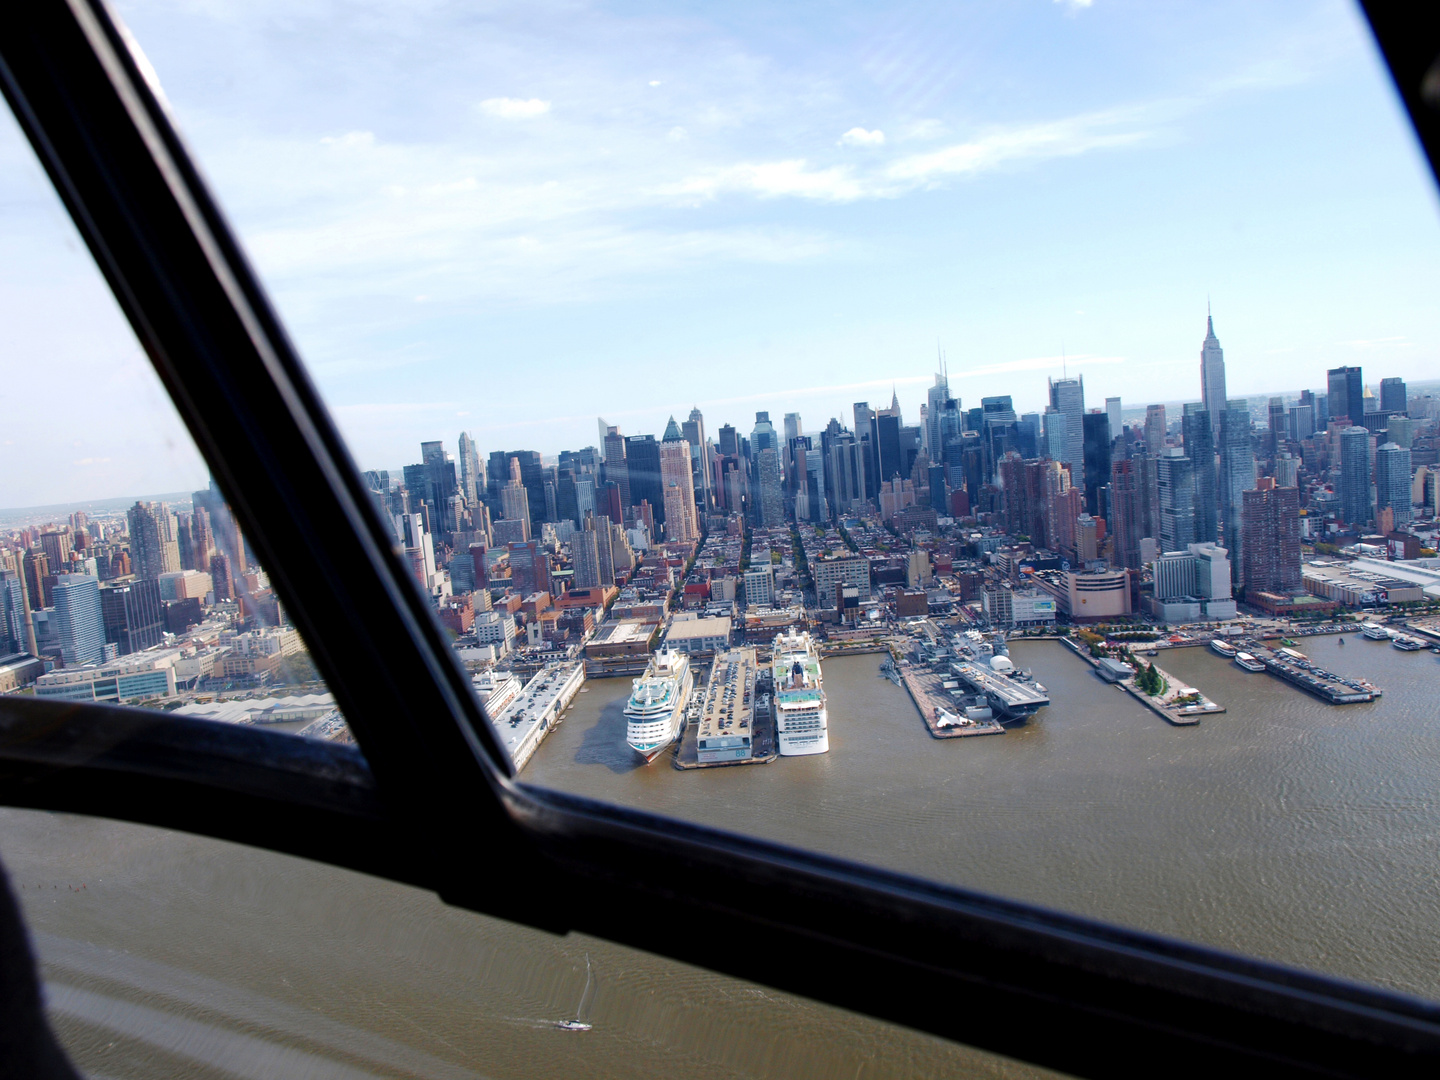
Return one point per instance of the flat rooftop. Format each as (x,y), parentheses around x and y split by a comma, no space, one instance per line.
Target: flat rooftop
(730,695)
(699,628)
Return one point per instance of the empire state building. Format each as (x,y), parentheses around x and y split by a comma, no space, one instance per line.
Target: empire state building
(1212,375)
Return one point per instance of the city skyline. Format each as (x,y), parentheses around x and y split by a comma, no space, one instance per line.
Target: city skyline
(505,233)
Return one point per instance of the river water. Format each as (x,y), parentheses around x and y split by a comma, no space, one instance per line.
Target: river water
(1286,828)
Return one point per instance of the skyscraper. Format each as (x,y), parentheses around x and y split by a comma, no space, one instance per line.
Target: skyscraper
(769,483)
(1055,437)
(79,621)
(1237,476)
(1114,412)
(1154,429)
(1124,513)
(471,482)
(132,615)
(694,429)
(935,399)
(1355,505)
(515,500)
(1175,483)
(677,480)
(1346,394)
(585,552)
(1392,395)
(17,634)
(1392,482)
(642,459)
(1212,375)
(154,549)
(1272,537)
(1067,396)
(1200,449)
(1097,459)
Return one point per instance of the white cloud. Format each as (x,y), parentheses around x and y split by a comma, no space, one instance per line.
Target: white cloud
(1075,5)
(858,136)
(771,179)
(514,108)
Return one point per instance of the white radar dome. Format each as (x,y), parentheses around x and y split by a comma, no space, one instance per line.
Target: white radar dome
(1001,664)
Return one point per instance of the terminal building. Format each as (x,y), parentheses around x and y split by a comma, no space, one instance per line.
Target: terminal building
(697,636)
(138,677)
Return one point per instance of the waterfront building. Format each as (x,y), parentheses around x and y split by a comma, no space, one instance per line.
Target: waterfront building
(1096,594)
(79,622)
(1272,538)
(1346,394)
(1392,483)
(1356,505)
(140,677)
(1237,476)
(1175,484)
(694,634)
(1067,397)
(1212,375)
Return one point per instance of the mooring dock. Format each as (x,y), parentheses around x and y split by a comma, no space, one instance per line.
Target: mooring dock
(524,723)
(731,721)
(1297,670)
(934,699)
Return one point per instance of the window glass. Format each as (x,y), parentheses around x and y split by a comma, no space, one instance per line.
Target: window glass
(837,392)
(124,575)
(167,955)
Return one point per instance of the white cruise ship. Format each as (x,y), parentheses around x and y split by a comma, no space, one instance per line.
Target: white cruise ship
(801,717)
(657,702)
(1374,631)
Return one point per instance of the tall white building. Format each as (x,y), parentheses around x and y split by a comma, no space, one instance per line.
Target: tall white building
(1212,375)
(1067,397)
(1112,410)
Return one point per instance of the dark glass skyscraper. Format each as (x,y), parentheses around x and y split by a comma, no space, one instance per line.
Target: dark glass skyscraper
(642,455)
(1346,394)
(1097,459)
(1237,475)
(1200,449)
(1392,395)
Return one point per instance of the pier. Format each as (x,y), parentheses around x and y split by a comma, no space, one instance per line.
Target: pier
(1180,705)
(928,691)
(1323,684)
(731,722)
(524,723)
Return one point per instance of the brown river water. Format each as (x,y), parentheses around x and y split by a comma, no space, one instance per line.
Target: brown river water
(1287,828)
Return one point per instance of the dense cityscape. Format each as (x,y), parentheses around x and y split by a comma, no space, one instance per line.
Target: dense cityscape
(872,534)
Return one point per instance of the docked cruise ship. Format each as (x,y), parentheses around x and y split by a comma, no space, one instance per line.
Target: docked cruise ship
(802,721)
(657,702)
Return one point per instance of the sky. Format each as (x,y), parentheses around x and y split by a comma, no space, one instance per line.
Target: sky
(511,218)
